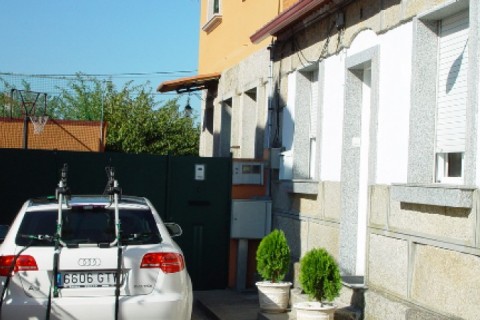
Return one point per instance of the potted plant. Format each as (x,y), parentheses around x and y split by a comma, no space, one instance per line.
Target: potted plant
(320,279)
(273,261)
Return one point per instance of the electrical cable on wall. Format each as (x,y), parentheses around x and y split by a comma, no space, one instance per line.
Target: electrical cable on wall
(306,62)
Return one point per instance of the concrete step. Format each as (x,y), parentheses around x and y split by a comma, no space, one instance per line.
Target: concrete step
(345,313)
(276,316)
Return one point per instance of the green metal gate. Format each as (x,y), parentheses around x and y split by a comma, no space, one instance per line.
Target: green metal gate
(201,199)
(192,191)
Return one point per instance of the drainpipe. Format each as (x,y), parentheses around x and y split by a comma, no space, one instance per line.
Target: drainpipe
(270,96)
(269,119)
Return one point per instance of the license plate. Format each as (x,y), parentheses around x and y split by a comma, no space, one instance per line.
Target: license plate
(87,279)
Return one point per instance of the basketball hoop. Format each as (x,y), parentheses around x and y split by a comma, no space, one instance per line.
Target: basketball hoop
(39,123)
(33,106)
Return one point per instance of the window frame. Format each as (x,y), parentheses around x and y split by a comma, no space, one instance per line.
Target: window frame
(214,15)
(422,166)
(304,149)
(442,161)
(442,164)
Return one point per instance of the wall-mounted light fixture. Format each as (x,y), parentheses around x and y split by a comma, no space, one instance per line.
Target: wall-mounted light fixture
(188,109)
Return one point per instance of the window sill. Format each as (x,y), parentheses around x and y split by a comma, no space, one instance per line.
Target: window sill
(301,186)
(214,21)
(435,195)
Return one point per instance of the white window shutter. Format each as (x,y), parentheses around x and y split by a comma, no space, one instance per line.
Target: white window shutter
(452,83)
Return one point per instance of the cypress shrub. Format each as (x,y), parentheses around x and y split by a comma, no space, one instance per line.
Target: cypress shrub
(320,275)
(273,256)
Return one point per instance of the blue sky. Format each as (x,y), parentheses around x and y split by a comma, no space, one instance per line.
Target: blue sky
(114,37)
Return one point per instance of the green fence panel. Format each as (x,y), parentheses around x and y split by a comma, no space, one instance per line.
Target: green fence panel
(192,191)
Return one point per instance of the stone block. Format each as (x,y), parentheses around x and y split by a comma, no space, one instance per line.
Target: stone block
(307,204)
(414,7)
(392,14)
(296,238)
(388,264)
(447,281)
(324,236)
(332,200)
(304,226)
(379,205)
(378,307)
(434,221)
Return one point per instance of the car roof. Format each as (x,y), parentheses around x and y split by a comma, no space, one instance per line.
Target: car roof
(85,200)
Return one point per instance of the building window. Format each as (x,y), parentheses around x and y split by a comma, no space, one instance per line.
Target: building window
(250,137)
(214,17)
(226,128)
(299,126)
(215,6)
(442,117)
(451,97)
(313,77)
(450,167)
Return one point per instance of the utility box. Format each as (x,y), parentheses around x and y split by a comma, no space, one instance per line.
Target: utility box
(275,154)
(251,219)
(247,172)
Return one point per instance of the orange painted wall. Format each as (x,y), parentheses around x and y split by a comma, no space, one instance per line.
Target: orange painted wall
(221,48)
(250,191)
(288,3)
(229,42)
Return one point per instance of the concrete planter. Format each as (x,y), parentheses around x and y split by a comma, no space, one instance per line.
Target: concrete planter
(314,311)
(273,297)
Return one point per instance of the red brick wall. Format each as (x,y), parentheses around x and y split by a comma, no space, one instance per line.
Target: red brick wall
(66,135)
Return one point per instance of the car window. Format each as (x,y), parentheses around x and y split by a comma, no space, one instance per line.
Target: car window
(88,225)
(3,231)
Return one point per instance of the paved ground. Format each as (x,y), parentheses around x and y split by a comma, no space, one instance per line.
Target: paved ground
(225,305)
(198,313)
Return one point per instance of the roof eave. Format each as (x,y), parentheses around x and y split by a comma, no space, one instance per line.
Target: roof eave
(287,18)
(187,84)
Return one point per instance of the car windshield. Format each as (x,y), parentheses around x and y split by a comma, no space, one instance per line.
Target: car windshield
(92,225)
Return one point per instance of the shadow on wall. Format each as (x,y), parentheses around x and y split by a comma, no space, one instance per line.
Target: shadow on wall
(284,214)
(326,30)
(454,71)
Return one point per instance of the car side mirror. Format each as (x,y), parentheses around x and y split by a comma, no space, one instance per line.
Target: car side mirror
(174,229)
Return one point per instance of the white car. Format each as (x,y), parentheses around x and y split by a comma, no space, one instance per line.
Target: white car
(67,268)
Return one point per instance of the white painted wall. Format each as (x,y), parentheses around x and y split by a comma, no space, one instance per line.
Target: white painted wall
(332,118)
(394,104)
(363,41)
(393,113)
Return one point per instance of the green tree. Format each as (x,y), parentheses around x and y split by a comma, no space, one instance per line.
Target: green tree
(135,123)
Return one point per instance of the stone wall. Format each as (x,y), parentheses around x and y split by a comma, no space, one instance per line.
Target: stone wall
(247,128)
(422,257)
(309,221)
